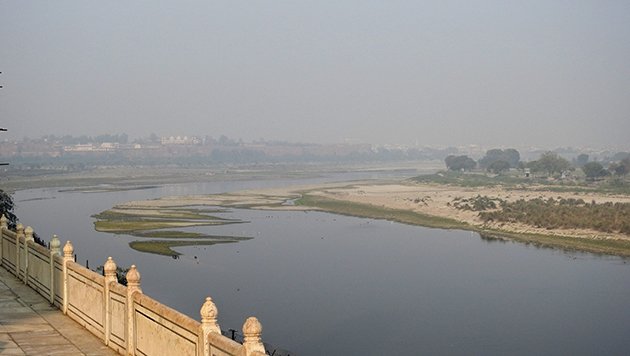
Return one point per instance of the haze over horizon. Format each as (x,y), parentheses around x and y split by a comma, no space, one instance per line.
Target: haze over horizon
(540,73)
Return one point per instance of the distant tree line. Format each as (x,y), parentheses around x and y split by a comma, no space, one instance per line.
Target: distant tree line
(550,164)
(496,161)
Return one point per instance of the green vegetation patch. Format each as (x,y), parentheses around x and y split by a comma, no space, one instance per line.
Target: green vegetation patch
(478,203)
(134,221)
(154,222)
(564,214)
(120,226)
(174,234)
(165,247)
(376,212)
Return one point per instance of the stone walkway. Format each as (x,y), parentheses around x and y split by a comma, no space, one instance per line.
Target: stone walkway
(30,326)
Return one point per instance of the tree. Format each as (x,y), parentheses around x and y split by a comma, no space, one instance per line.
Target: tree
(622,168)
(459,163)
(499,166)
(594,170)
(581,160)
(549,163)
(6,208)
(510,155)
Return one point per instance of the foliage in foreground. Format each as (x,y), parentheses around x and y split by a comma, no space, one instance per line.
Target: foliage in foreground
(6,208)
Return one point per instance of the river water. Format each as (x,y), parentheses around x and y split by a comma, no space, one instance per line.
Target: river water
(324,284)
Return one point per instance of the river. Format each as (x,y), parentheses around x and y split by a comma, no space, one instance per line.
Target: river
(323,284)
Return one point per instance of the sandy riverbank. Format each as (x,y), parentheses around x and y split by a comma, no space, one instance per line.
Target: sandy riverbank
(436,200)
(429,199)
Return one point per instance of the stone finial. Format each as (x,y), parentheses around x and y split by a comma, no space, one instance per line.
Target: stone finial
(110,270)
(68,250)
(4,222)
(55,244)
(252,330)
(19,229)
(209,314)
(28,233)
(133,277)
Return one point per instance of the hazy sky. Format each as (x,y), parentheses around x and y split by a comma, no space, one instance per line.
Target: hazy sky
(511,73)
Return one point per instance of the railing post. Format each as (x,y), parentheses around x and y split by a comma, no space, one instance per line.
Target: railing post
(133,286)
(3,226)
(68,250)
(19,232)
(110,277)
(252,329)
(28,236)
(209,324)
(54,251)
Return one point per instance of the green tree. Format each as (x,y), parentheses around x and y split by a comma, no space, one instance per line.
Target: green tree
(622,168)
(549,163)
(499,166)
(581,160)
(510,155)
(458,163)
(594,170)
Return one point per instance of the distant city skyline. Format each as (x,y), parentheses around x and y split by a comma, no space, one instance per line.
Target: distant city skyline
(493,73)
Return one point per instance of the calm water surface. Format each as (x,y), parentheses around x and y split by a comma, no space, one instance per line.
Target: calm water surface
(324,284)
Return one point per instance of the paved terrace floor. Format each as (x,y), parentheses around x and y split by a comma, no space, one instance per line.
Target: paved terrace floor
(30,326)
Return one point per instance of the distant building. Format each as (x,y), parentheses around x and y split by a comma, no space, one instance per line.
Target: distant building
(88,147)
(179,140)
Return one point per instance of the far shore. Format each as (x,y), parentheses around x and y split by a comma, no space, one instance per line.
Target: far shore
(424,204)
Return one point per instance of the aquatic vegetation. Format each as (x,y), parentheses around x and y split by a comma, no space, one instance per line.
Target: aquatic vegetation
(165,247)
(151,222)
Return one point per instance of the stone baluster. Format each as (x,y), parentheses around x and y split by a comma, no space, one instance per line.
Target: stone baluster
(209,324)
(28,237)
(252,342)
(54,251)
(19,234)
(55,245)
(19,230)
(4,222)
(133,286)
(110,277)
(68,251)
(28,234)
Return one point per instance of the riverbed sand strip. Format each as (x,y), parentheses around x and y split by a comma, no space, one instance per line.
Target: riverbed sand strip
(429,199)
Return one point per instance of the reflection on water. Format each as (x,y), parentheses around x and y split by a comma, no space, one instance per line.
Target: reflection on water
(323,284)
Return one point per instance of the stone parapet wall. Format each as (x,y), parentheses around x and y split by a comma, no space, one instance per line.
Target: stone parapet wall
(125,319)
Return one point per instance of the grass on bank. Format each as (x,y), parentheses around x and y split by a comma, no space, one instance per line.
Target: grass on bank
(376,212)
